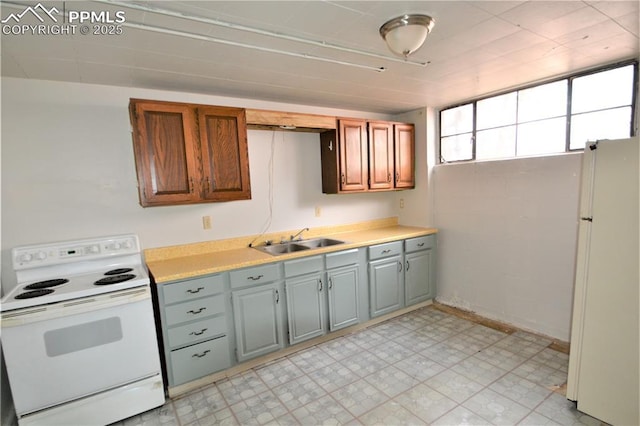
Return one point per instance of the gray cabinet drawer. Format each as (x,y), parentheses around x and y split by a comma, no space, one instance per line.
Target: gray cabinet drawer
(301,266)
(255,275)
(419,243)
(197,331)
(200,360)
(342,258)
(192,289)
(189,311)
(384,250)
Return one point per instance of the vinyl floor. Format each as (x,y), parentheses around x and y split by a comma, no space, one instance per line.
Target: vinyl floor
(427,367)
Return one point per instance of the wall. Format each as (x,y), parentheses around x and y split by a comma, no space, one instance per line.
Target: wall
(68,172)
(507,242)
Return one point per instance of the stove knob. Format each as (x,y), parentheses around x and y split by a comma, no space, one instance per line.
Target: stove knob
(26,257)
(41,255)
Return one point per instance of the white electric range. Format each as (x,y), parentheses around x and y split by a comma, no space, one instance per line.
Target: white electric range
(78,333)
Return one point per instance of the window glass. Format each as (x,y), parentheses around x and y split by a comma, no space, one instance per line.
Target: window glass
(497,111)
(457,120)
(545,101)
(607,124)
(456,148)
(606,89)
(496,143)
(542,137)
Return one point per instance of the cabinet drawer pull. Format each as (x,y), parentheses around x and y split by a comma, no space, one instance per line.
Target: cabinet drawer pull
(200,355)
(385,251)
(255,278)
(198,333)
(196,312)
(197,290)
(420,244)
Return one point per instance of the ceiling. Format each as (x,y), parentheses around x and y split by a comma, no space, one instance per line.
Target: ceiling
(476,48)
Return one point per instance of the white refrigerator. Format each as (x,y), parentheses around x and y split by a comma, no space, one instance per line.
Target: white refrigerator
(604,358)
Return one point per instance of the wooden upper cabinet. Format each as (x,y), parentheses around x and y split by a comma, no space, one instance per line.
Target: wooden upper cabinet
(225,157)
(368,156)
(353,155)
(188,153)
(405,156)
(381,166)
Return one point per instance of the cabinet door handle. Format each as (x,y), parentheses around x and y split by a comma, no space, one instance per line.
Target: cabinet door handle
(255,278)
(342,179)
(397,177)
(407,267)
(277,296)
(399,266)
(191,185)
(319,285)
(330,283)
(198,333)
(385,251)
(200,355)
(197,290)
(196,312)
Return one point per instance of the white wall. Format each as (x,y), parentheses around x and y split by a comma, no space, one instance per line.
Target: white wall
(68,172)
(507,242)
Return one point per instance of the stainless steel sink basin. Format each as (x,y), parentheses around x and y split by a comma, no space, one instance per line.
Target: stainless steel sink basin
(295,246)
(283,248)
(320,242)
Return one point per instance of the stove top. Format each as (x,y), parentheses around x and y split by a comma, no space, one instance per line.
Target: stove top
(58,272)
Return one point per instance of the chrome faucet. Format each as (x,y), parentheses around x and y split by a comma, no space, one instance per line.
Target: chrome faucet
(293,237)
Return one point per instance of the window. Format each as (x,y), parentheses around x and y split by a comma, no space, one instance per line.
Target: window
(549,118)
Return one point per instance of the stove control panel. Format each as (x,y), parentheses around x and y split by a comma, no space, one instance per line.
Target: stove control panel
(88,249)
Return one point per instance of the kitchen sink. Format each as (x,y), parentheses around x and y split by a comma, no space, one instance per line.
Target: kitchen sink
(320,242)
(295,246)
(283,248)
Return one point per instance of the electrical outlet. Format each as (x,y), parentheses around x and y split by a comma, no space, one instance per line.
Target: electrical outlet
(318,211)
(402,203)
(206,222)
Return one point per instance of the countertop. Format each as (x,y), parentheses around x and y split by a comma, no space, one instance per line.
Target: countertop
(173,263)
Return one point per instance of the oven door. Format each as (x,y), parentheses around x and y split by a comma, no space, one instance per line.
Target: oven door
(65,351)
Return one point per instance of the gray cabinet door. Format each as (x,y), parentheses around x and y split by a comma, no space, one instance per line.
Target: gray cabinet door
(385,284)
(343,286)
(258,320)
(306,307)
(419,271)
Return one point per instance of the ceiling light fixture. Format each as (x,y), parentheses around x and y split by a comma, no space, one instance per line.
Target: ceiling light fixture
(406,34)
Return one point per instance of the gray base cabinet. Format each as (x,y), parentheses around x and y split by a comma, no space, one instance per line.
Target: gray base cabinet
(343,284)
(305,307)
(258,320)
(386,280)
(420,269)
(194,317)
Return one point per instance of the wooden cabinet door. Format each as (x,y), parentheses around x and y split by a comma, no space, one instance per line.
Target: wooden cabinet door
(385,285)
(305,307)
(165,148)
(353,155)
(381,163)
(343,286)
(225,155)
(257,315)
(405,156)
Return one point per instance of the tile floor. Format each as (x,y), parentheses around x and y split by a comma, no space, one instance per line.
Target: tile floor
(425,367)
